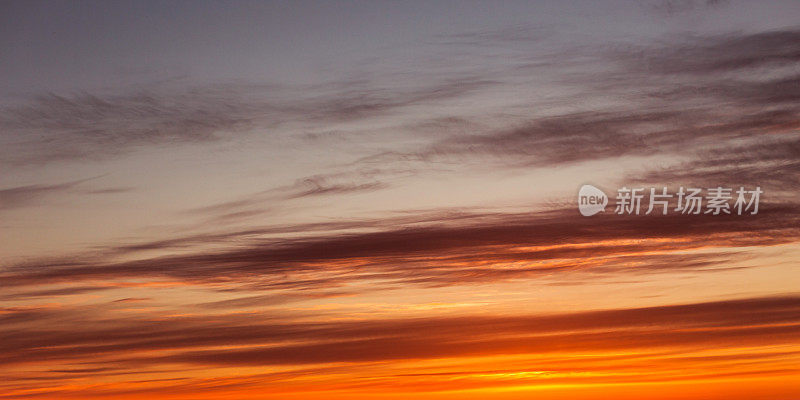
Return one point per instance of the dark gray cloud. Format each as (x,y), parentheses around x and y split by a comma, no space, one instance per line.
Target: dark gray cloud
(320,185)
(23,196)
(677,98)
(292,230)
(357,100)
(347,182)
(88,126)
(670,95)
(600,135)
(64,127)
(30,195)
(772,163)
(702,55)
(446,254)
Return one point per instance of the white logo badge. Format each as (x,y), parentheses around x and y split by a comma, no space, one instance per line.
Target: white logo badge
(591,200)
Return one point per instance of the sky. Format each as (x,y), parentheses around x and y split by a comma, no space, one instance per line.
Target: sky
(377,200)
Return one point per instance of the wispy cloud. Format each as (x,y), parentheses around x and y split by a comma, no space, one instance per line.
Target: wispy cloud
(769,163)
(440,254)
(676,7)
(666,104)
(90,126)
(36,194)
(86,126)
(734,52)
(318,185)
(22,196)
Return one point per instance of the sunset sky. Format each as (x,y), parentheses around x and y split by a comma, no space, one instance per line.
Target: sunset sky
(378,200)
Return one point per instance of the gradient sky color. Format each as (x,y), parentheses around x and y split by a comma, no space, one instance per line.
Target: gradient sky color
(376,200)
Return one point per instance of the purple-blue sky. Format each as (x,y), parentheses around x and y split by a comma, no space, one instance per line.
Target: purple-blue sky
(61,45)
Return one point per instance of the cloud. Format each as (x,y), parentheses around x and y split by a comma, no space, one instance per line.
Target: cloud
(690,91)
(362,99)
(731,324)
(287,350)
(30,195)
(523,34)
(291,230)
(27,195)
(719,54)
(51,293)
(674,7)
(271,299)
(439,254)
(675,98)
(22,196)
(770,163)
(358,181)
(84,126)
(320,185)
(723,323)
(111,190)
